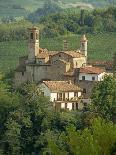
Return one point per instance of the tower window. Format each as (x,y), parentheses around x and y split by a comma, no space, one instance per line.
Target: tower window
(82,44)
(31,35)
(37,36)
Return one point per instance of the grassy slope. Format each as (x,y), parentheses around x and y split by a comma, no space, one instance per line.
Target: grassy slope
(6,6)
(100,47)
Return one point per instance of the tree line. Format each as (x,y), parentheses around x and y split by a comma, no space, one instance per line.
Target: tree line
(64,23)
(30,125)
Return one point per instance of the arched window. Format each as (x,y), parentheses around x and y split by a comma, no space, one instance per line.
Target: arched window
(31,36)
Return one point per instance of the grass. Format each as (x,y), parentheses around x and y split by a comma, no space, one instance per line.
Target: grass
(100,47)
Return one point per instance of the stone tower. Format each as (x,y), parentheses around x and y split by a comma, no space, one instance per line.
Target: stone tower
(83,47)
(33,44)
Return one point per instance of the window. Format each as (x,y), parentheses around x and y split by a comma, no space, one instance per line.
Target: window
(22,73)
(59,96)
(76,106)
(63,96)
(37,36)
(73,106)
(84,90)
(93,78)
(83,77)
(65,105)
(76,64)
(75,94)
(31,35)
(83,44)
(40,62)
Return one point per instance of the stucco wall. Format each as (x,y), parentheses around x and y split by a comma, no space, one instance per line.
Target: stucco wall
(88,77)
(78,62)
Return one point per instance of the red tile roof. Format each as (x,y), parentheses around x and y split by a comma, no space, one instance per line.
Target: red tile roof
(61,86)
(106,64)
(91,70)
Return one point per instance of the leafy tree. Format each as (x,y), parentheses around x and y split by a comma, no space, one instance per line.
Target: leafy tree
(99,138)
(104,97)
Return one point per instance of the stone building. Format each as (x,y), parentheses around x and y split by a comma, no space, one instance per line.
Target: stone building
(43,65)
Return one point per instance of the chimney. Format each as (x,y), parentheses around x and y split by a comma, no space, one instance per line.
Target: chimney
(65,45)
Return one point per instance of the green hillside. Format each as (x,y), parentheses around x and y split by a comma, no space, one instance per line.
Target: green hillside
(20,8)
(100,47)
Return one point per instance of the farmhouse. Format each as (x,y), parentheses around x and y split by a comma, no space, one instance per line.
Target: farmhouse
(52,69)
(63,94)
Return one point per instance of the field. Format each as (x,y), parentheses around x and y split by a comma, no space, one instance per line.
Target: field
(100,47)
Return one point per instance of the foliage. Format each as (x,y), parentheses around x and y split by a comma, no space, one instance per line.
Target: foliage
(96,21)
(30,125)
(49,7)
(104,97)
(92,140)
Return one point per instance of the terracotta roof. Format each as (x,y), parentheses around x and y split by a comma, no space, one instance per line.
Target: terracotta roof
(74,54)
(91,70)
(43,53)
(61,86)
(106,64)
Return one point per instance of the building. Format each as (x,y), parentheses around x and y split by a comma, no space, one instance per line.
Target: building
(53,66)
(41,64)
(63,94)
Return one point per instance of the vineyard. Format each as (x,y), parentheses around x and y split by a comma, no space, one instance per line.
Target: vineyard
(100,47)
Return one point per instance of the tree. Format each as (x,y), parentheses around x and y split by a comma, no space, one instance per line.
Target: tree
(104,97)
(99,138)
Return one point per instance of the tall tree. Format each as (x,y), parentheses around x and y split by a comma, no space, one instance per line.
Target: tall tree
(104,97)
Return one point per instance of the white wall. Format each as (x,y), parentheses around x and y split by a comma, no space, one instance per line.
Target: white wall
(88,77)
(101,76)
(79,94)
(71,95)
(53,96)
(69,106)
